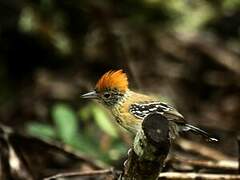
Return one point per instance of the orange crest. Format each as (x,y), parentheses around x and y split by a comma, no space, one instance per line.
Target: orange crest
(113,80)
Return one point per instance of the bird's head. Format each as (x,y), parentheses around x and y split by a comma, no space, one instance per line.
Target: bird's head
(110,88)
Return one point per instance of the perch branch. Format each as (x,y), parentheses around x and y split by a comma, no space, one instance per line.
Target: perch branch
(150,149)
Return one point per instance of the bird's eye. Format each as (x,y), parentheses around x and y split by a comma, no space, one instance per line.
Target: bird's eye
(106,95)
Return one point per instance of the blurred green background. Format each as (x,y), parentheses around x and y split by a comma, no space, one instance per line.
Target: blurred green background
(51,51)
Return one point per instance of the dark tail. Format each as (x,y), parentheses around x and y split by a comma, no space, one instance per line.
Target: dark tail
(189,127)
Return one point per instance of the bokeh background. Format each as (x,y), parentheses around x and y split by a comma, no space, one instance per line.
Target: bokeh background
(186,52)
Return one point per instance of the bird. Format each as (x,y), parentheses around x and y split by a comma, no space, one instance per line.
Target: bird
(129,108)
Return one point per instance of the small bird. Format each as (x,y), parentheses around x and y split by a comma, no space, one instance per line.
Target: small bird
(129,108)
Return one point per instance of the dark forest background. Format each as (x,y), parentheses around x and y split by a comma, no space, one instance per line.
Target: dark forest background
(51,51)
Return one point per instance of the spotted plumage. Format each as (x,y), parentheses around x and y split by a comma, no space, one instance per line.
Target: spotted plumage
(142,110)
(130,108)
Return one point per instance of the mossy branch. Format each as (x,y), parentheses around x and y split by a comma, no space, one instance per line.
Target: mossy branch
(150,149)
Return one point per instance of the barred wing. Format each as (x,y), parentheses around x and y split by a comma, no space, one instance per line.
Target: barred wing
(141,110)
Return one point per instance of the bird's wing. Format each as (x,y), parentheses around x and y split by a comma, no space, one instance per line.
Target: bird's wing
(141,110)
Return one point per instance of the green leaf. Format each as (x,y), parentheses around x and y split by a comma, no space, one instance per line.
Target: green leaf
(40,130)
(85,144)
(66,122)
(85,112)
(104,122)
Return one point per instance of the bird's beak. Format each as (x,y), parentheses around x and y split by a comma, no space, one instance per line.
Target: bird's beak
(90,95)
